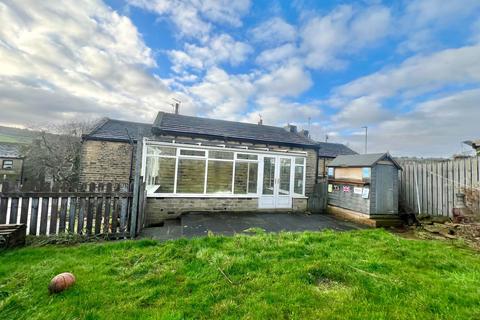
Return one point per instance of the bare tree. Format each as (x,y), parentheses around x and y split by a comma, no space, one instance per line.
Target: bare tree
(54,156)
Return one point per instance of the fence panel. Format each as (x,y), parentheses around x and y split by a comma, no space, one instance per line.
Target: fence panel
(92,212)
(429,186)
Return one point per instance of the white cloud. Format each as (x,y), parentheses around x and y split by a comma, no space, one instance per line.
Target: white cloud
(422,13)
(342,32)
(419,74)
(275,111)
(222,95)
(218,49)
(434,128)
(91,56)
(270,57)
(360,112)
(274,31)
(433,122)
(423,22)
(195,17)
(289,80)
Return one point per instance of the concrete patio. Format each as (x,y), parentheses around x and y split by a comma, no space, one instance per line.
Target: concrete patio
(199,224)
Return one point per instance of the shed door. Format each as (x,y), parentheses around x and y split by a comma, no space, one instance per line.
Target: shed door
(384,189)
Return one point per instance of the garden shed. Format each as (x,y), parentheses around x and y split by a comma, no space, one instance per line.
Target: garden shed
(364,186)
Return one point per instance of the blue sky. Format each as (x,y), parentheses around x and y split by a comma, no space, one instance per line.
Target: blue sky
(407,69)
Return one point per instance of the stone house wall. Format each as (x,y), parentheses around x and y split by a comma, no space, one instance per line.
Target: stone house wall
(105,161)
(160,209)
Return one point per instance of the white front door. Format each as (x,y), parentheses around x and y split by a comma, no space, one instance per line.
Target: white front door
(276,183)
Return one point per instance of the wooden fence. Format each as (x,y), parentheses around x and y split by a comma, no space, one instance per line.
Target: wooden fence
(317,202)
(429,186)
(91,211)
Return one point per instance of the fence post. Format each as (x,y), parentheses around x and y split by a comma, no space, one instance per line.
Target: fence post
(136,189)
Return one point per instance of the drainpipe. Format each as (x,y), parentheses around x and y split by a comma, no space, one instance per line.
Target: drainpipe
(132,143)
(317,151)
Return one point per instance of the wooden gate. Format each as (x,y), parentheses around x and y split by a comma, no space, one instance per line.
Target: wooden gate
(317,202)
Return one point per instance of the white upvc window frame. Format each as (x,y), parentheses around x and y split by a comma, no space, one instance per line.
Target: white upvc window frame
(259,153)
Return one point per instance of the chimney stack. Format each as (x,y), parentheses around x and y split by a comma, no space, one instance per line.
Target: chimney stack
(177,106)
(291,128)
(260,120)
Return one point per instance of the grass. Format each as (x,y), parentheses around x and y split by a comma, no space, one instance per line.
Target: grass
(367,274)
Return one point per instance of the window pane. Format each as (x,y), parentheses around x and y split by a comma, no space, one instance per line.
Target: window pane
(299,160)
(252,177)
(246,175)
(190,176)
(161,151)
(268,175)
(366,172)
(285,169)
(160,174)
(219,176)
(196,153)
(246,156)
(298,180)
(220,155)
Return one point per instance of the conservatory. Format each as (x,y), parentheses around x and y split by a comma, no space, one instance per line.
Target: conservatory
(178,170)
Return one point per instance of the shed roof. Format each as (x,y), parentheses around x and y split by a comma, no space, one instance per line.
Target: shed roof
(222,129)
(362,160)
(10,150)
(332,150)
(118,130)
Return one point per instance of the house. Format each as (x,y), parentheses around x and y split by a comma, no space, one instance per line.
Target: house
(11,162)
(200,164)
(364,186)
(329,151)
(475,144)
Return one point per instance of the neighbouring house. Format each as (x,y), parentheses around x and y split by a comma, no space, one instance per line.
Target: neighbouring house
(329,151)
(475,144)
(11,162)
(364,186)
(198,164)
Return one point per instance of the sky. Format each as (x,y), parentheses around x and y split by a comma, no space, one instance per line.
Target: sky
(409,70)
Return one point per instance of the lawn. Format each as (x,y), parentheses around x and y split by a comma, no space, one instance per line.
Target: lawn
(367,274)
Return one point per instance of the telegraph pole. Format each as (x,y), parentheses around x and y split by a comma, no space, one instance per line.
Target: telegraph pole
(366,138)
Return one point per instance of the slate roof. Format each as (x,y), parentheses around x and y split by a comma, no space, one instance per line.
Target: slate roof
(118,130)
(191,126)
(10,150)
(361,160)
(332,150)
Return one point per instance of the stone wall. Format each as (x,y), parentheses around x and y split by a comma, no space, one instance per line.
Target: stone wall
(13,174)
(160,209)
(105,161)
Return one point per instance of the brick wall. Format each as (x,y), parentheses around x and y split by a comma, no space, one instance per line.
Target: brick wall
(105,161)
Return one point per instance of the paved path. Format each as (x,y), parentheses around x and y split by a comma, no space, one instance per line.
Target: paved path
(198,224)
